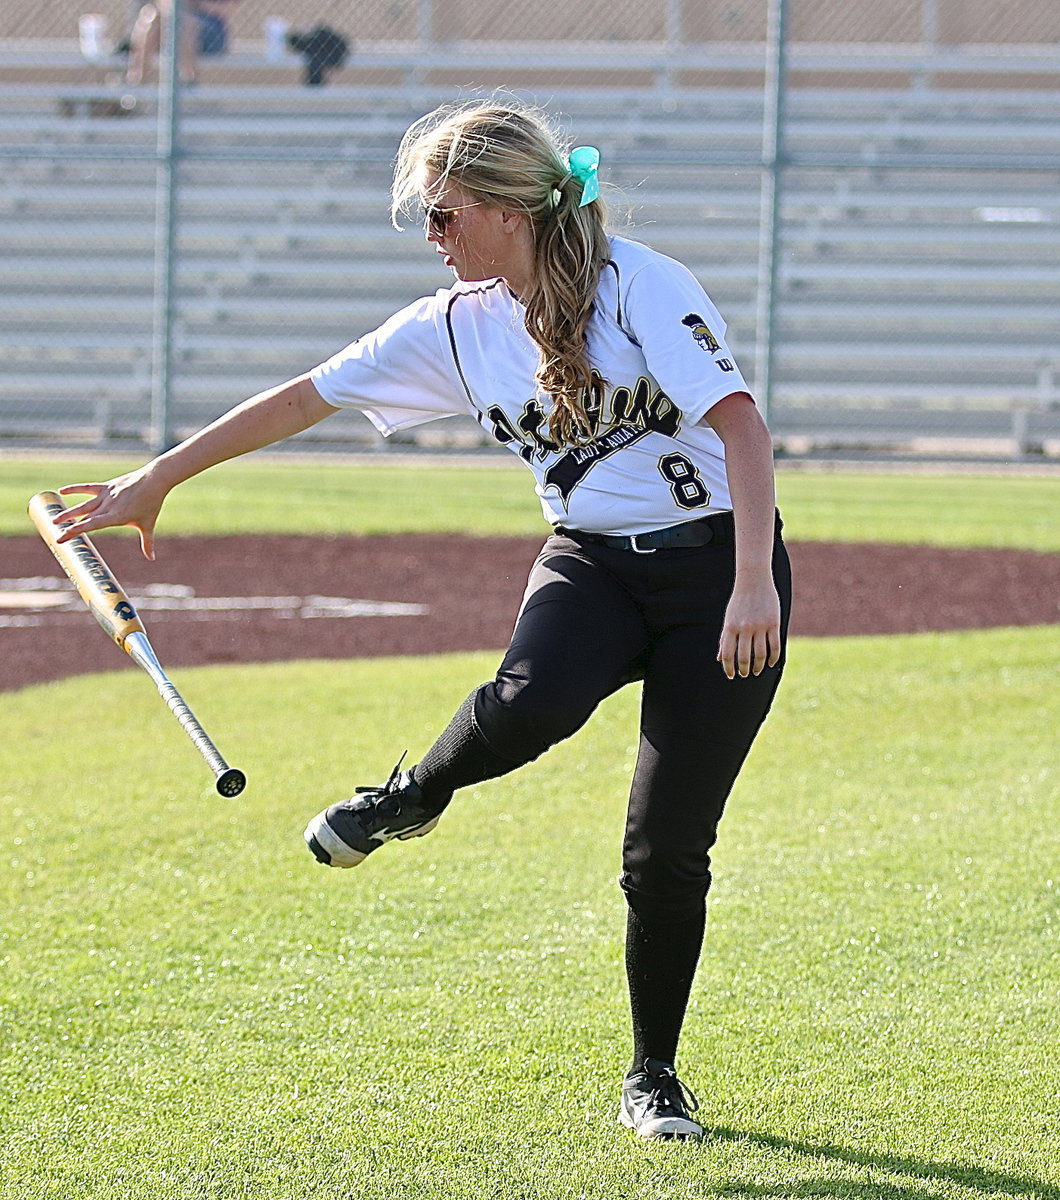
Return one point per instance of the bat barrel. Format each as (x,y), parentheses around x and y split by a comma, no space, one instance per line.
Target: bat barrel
(86,570)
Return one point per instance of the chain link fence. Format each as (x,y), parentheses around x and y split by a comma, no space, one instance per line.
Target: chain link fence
(867,189)
(25,24)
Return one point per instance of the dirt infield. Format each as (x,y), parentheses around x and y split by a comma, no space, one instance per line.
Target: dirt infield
(266,598)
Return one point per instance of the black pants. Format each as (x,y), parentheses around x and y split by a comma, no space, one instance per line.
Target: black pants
(595,618)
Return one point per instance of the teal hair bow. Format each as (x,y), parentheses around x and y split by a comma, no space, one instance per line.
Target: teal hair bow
(584,163)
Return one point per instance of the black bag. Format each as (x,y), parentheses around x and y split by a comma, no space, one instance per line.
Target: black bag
(323,48)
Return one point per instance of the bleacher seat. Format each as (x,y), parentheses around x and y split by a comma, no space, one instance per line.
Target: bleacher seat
(914,294)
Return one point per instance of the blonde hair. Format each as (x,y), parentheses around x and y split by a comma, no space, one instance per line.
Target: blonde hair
(509,157)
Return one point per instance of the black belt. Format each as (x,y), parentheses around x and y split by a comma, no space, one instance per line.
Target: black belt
(717,529)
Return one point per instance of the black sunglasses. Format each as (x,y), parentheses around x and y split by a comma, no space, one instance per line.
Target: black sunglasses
(437,220)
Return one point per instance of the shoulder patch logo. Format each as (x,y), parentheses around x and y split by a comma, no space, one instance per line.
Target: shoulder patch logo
(705,339)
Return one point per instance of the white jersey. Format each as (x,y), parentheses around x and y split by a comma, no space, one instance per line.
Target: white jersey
(656,344)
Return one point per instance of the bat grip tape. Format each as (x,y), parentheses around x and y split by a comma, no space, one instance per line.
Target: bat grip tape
(141,651)
(191,726)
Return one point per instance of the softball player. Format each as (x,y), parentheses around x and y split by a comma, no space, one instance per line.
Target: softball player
(603,366)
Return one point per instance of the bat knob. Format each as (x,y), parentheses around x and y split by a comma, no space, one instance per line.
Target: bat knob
(231,782)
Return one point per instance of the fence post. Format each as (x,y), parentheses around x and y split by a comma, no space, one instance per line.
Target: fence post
(424,42)
(923,78)
(929,24)
(168,156)
(674,37)
(771,195)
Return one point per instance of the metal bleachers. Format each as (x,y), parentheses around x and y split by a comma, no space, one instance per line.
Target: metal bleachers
(918,298)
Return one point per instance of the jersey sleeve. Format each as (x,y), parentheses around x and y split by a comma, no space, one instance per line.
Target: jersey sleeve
(681,335)
(400,375)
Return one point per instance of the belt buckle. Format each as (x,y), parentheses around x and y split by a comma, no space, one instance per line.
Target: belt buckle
(635,548)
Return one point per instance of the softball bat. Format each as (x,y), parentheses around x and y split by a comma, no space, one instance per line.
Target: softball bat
(108,603)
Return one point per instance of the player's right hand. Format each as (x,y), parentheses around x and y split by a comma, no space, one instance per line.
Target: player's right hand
(134,499)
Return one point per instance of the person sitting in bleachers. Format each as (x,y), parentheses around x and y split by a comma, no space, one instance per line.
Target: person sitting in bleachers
(204,31)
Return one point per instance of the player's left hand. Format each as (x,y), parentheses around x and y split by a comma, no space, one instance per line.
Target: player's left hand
(750,637)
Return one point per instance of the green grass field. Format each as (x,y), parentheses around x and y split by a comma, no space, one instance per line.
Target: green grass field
(494,496)
(191,1008)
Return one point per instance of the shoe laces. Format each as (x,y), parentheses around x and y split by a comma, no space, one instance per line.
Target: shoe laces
(669,1092)
(387,792)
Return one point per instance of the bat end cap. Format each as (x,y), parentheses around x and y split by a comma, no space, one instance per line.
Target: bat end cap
(231,782)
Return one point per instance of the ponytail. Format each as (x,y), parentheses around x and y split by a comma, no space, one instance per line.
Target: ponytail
(571,251)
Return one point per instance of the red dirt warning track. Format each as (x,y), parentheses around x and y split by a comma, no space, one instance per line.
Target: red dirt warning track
(269,597)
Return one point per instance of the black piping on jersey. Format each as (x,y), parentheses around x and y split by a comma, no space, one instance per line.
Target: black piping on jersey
(479,291)
(610,263)
(618,305)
